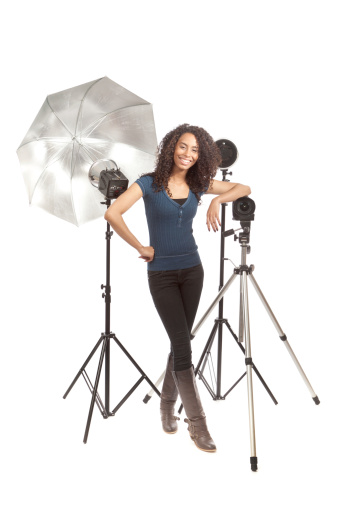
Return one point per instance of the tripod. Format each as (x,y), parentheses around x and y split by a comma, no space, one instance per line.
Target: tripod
(105,353)
(245,271)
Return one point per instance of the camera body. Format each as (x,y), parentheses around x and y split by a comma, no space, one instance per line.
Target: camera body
(243,209)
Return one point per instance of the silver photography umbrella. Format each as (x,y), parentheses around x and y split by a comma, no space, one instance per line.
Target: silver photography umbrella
(73,129)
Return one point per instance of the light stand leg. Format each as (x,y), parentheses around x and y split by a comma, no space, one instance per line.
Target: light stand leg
(208,351)
(196,370)
(96,384)
(144,376)
(284,339)
(248,362)
(107,374)
(204,356)
(83,366)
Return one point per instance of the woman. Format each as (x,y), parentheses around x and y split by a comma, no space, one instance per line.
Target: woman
(187,161)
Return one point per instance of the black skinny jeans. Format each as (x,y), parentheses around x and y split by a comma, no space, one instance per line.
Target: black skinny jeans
(176,295)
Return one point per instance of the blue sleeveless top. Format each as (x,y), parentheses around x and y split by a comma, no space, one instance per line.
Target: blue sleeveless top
(170,228)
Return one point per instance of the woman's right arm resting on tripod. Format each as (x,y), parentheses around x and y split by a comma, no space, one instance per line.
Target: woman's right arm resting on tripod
(114,216)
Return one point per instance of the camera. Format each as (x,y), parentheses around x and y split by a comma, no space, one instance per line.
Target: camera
(243,209)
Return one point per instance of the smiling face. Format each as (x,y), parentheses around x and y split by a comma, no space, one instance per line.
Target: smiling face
(186,152)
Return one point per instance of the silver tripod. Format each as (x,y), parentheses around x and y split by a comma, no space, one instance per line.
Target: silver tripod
(246,272)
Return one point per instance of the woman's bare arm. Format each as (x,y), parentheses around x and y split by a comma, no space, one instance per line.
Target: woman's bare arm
(114,216)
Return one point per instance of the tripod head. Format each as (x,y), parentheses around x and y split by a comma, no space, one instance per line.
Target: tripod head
(244,235)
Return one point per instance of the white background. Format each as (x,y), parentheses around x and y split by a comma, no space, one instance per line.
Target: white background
(262,74)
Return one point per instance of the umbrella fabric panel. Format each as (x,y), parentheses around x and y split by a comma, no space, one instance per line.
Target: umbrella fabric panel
(86,198)
(66,105)
(35,157)
(133,126)
(47,126)
(52,189)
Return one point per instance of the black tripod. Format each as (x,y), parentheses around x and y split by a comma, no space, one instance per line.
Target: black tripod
(105,353)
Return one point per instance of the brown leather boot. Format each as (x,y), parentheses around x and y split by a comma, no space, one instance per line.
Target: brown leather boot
(187,387)
(169,395)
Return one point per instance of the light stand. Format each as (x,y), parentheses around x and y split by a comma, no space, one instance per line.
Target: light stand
(105,353)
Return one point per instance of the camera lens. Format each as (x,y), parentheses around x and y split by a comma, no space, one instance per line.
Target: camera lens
(244,207)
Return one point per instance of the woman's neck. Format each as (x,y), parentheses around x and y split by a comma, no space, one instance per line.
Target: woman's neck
(178,177)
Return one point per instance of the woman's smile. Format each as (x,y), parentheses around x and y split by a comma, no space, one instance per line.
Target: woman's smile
(185,161)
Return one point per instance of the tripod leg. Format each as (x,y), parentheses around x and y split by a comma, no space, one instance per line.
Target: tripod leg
(284,339)
(213,304)
(254,367)
(248,361)
(96,384)
(83,366)
(151,391)
(241,312)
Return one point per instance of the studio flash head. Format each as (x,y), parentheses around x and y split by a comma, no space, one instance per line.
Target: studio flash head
(243,209)
(106,176)
(228,152)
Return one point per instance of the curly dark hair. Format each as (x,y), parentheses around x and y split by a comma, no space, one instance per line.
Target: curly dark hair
(200,174)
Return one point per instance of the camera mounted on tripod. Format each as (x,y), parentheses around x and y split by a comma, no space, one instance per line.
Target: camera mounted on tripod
(243,211)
